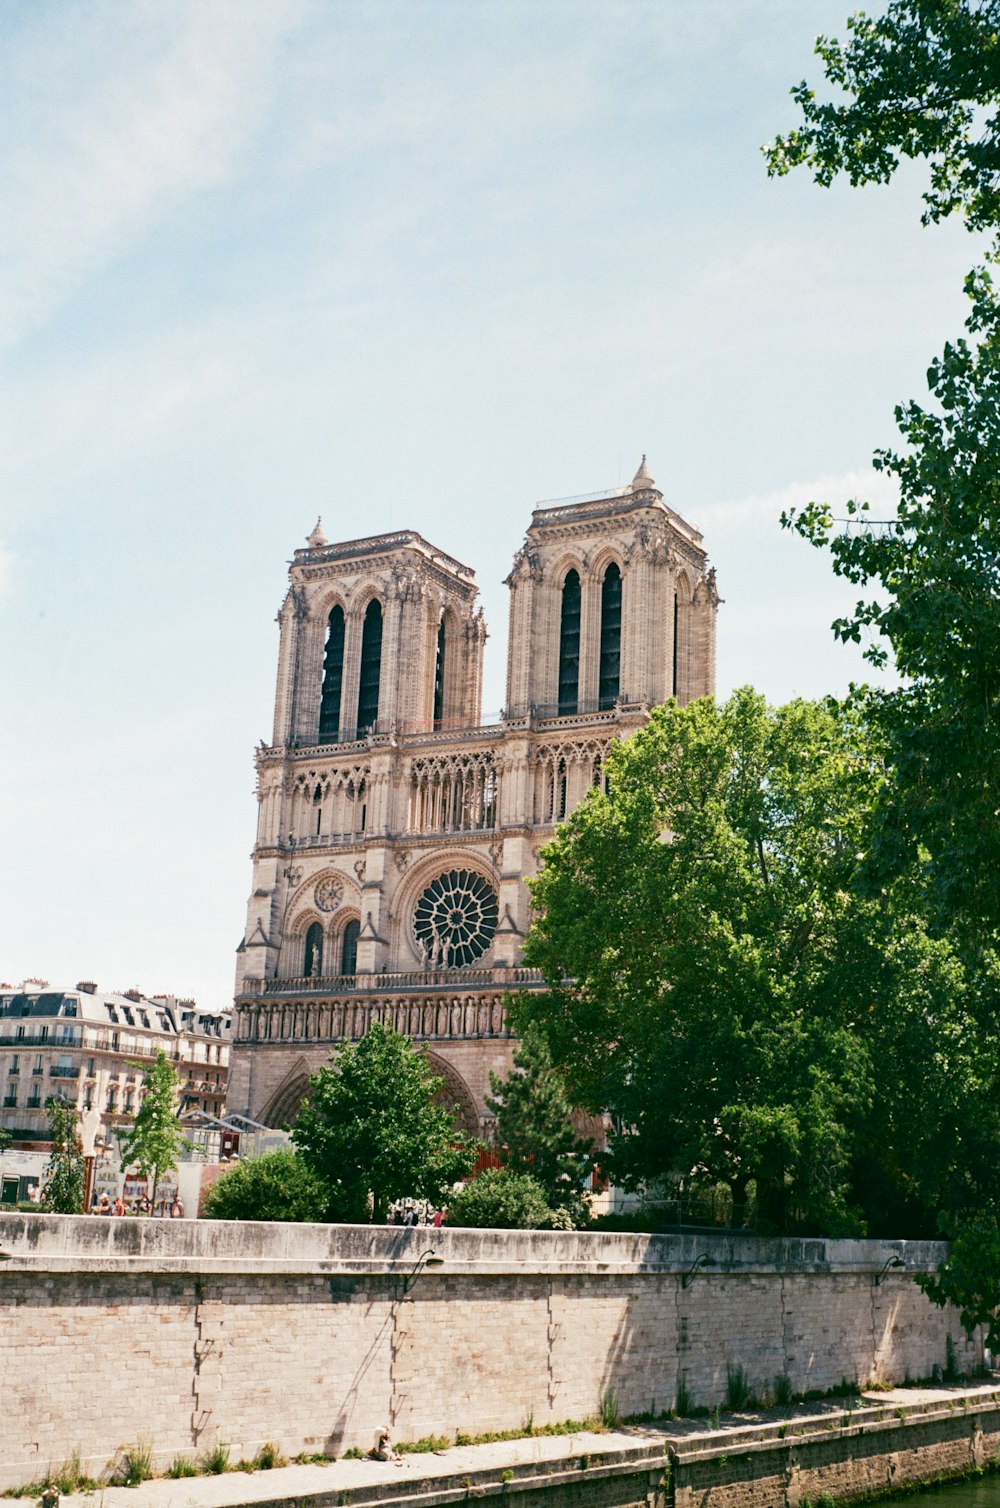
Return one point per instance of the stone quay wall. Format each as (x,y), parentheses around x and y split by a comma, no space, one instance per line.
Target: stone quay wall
(188,1332)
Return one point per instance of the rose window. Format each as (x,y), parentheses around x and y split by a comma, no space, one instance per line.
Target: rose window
(455,919)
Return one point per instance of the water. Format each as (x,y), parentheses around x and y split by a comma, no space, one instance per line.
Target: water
(980,1492)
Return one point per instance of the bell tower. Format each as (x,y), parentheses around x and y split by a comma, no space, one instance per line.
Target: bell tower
(612,605)
(378,635)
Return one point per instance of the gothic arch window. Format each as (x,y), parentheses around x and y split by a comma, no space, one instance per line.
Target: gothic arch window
(439,676)
(312,959)
(349,948)
(333,678)
(559,803)
(611,638)
(569,645)
(371,666)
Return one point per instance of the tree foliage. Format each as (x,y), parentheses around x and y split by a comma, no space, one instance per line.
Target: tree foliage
(922,81)
(735,1002)
(274,1186)
(504,1199)
(534,1128)
(66,1171)
(371,1131)
(155,1140)
(936,570)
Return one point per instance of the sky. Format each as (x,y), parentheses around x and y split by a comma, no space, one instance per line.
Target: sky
(398,264)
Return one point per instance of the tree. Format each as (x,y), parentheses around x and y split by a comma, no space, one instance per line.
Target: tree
(716,982)
(921,81)
(937,570)
(535,1128)
(66,1171)
(502,1199)
(156,1140)
(371,1132)
(275,1186)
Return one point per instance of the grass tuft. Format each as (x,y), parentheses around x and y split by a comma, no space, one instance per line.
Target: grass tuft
(215,1461)
(132,1464)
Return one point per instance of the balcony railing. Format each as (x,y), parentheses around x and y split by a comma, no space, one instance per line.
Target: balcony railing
(422,980)
(64,1071)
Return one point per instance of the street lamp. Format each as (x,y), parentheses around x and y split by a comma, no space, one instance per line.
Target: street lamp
(887,1267)
(704,1260)
(426,1259)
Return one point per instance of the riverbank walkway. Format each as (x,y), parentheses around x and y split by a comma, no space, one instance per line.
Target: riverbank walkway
(541,1462)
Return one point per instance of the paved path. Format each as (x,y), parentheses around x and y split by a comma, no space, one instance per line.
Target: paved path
(441,1474)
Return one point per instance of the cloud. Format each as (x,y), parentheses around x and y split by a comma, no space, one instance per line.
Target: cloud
(112,120)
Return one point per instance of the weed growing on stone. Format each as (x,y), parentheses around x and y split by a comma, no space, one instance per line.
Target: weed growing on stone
(739,1393)
(215,1461)
(132,1464)
(354,1454)
(608,1408)
(783,1394)
(182,1466)
(423,1446)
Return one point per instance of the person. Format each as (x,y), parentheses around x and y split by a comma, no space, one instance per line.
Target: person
(176,1210)
(410,1218)
(103,1206)
(437,1219)
(119,1208)
(382,1449)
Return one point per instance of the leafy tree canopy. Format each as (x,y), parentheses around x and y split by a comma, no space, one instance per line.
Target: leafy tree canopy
(275,1186)
(921,81)
(733,999)
(371,1131)
(936,572)
(535,1126)
(66,1171)
(155,1140)
(503,1199)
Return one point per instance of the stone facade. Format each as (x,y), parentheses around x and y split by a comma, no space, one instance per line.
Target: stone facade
(395,831)
(314,1336)
(86,1046)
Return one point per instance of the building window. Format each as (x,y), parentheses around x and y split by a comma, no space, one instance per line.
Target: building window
(455,919)
(349,948)
(569,646)
(14,1064)
(371,666)
(312,963)
(38,1064)
(611,638)
(439,678)
(333,678)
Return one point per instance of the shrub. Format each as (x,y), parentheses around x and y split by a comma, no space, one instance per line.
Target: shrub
(783,1390)
(502,1200)
(608,1405)
(275,1186)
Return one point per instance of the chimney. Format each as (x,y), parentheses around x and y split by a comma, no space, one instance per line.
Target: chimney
(87,986)
(132,994)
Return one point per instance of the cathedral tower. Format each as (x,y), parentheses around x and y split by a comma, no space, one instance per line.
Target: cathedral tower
(395,833)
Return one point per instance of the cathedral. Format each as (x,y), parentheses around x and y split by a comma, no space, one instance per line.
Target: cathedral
(395,831)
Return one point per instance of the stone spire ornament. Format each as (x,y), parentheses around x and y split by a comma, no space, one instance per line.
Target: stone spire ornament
(317,539)
(642,481)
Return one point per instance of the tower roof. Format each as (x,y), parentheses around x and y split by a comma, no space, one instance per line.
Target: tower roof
(642,481)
